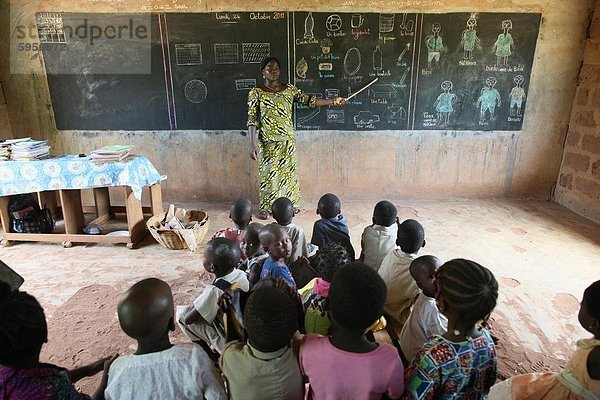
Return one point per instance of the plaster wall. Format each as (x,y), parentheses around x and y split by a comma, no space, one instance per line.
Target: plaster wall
(209,165)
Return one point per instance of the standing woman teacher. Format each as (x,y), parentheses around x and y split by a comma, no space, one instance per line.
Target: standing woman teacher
(270,110)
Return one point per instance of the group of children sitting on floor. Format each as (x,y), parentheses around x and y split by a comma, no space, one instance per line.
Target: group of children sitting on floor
(303,323)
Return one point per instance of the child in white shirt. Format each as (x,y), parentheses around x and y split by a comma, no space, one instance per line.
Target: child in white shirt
(379,238)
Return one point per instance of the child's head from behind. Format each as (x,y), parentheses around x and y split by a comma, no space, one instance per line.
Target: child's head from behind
(146,310)
(356,296)
(283,211)
(385,213)
(411,236)
(275,241)
(250,243)
(241,213)
(329,259)
(423,270)
(467,290)
(589,313)
(221,256)
(270,318)
(329,206)
(23,328)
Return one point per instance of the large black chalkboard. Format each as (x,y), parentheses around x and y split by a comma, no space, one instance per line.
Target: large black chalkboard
(435,71)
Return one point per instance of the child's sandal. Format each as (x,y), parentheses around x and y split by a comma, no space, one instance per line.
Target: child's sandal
(262,214)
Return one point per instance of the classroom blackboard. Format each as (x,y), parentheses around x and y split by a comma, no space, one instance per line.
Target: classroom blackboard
(460,71)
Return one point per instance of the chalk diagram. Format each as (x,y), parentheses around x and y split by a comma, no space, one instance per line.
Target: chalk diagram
(504,44)
(517,96)
(195,91)
(403,53)
(386,22)
(352,61)
(333,23)
(382,91)
(356,21)
(365,118)
(227,53)
(407,26)
(254,53)
(335,116)
(188,54)
(331,93)
(394,113)
(245,84)
(404,75)
(488,100)
(326,45)
(309,116)
(444,103)
(377,58)
(469,38)
(302,68)
(435,45)
(325,67)
(309,26)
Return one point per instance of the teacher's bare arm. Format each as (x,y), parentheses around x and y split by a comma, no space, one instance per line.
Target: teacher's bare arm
(252,148)
(336,101)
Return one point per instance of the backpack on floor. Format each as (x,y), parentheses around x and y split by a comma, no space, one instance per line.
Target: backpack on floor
(26,216)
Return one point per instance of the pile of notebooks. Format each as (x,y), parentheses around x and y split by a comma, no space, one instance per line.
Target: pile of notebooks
(115,153)
(28,149)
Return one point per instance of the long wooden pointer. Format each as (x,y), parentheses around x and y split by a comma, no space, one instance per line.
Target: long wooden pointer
(366,86)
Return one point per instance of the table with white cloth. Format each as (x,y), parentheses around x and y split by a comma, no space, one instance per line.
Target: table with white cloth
(68,175)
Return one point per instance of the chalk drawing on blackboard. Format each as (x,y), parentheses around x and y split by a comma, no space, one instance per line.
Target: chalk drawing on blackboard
(308,117)
(504,44)
(254,53)
(394,112)
(403,53)
(302,68)
(386,22)
(245,84)
(488,100)
(377,58)
(226,53)
(309,26)
(407,26)
(331,93)
(404,75)
(444,104)
(325,67)
(435,45)
(517,96)
(335,116)
(381,91)
(356,21)
(469,38)
(352,61)
(50,27)
(365,118)
(317,95)
(333,23)
(188,54)
(195,91)
(326,45)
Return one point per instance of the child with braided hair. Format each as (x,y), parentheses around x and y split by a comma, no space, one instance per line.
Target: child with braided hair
(461,363)
(23,332)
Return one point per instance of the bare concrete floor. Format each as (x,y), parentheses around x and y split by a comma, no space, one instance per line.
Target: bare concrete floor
(543,255)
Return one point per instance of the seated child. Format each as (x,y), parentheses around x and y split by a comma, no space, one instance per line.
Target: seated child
(240,213)
(199,321)
(581,377)
(425,319)
(283,212)
(314,295)
(332,227)
(379,238)
(346,365)
(278,246)
(460,364)
(23,332)
(158,369)
(265,367)
(402,288)
(250,245)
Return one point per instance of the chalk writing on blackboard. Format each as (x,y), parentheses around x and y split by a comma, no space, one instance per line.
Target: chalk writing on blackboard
(504,44)
(226,53)
(188,54)
(245,84)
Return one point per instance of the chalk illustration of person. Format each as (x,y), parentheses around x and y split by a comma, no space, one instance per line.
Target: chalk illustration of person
(435,45)
(517,96)
(488,100)
(444,103)
(504,44)
(469,38)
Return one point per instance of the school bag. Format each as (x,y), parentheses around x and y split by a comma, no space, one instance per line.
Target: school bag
(26,216)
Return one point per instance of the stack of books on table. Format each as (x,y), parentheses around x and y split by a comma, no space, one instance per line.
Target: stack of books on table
(115,153)
(29,150)
(6,147)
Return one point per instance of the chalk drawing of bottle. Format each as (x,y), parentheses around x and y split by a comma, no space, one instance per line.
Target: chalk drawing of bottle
(309,25)
(377,59)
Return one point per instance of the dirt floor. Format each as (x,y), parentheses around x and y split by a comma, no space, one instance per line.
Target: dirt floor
(542,254)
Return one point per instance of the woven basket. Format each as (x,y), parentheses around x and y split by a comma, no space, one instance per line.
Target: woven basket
(170,239)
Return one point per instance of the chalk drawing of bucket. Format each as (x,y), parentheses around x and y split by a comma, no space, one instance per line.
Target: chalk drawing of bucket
(386,22)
